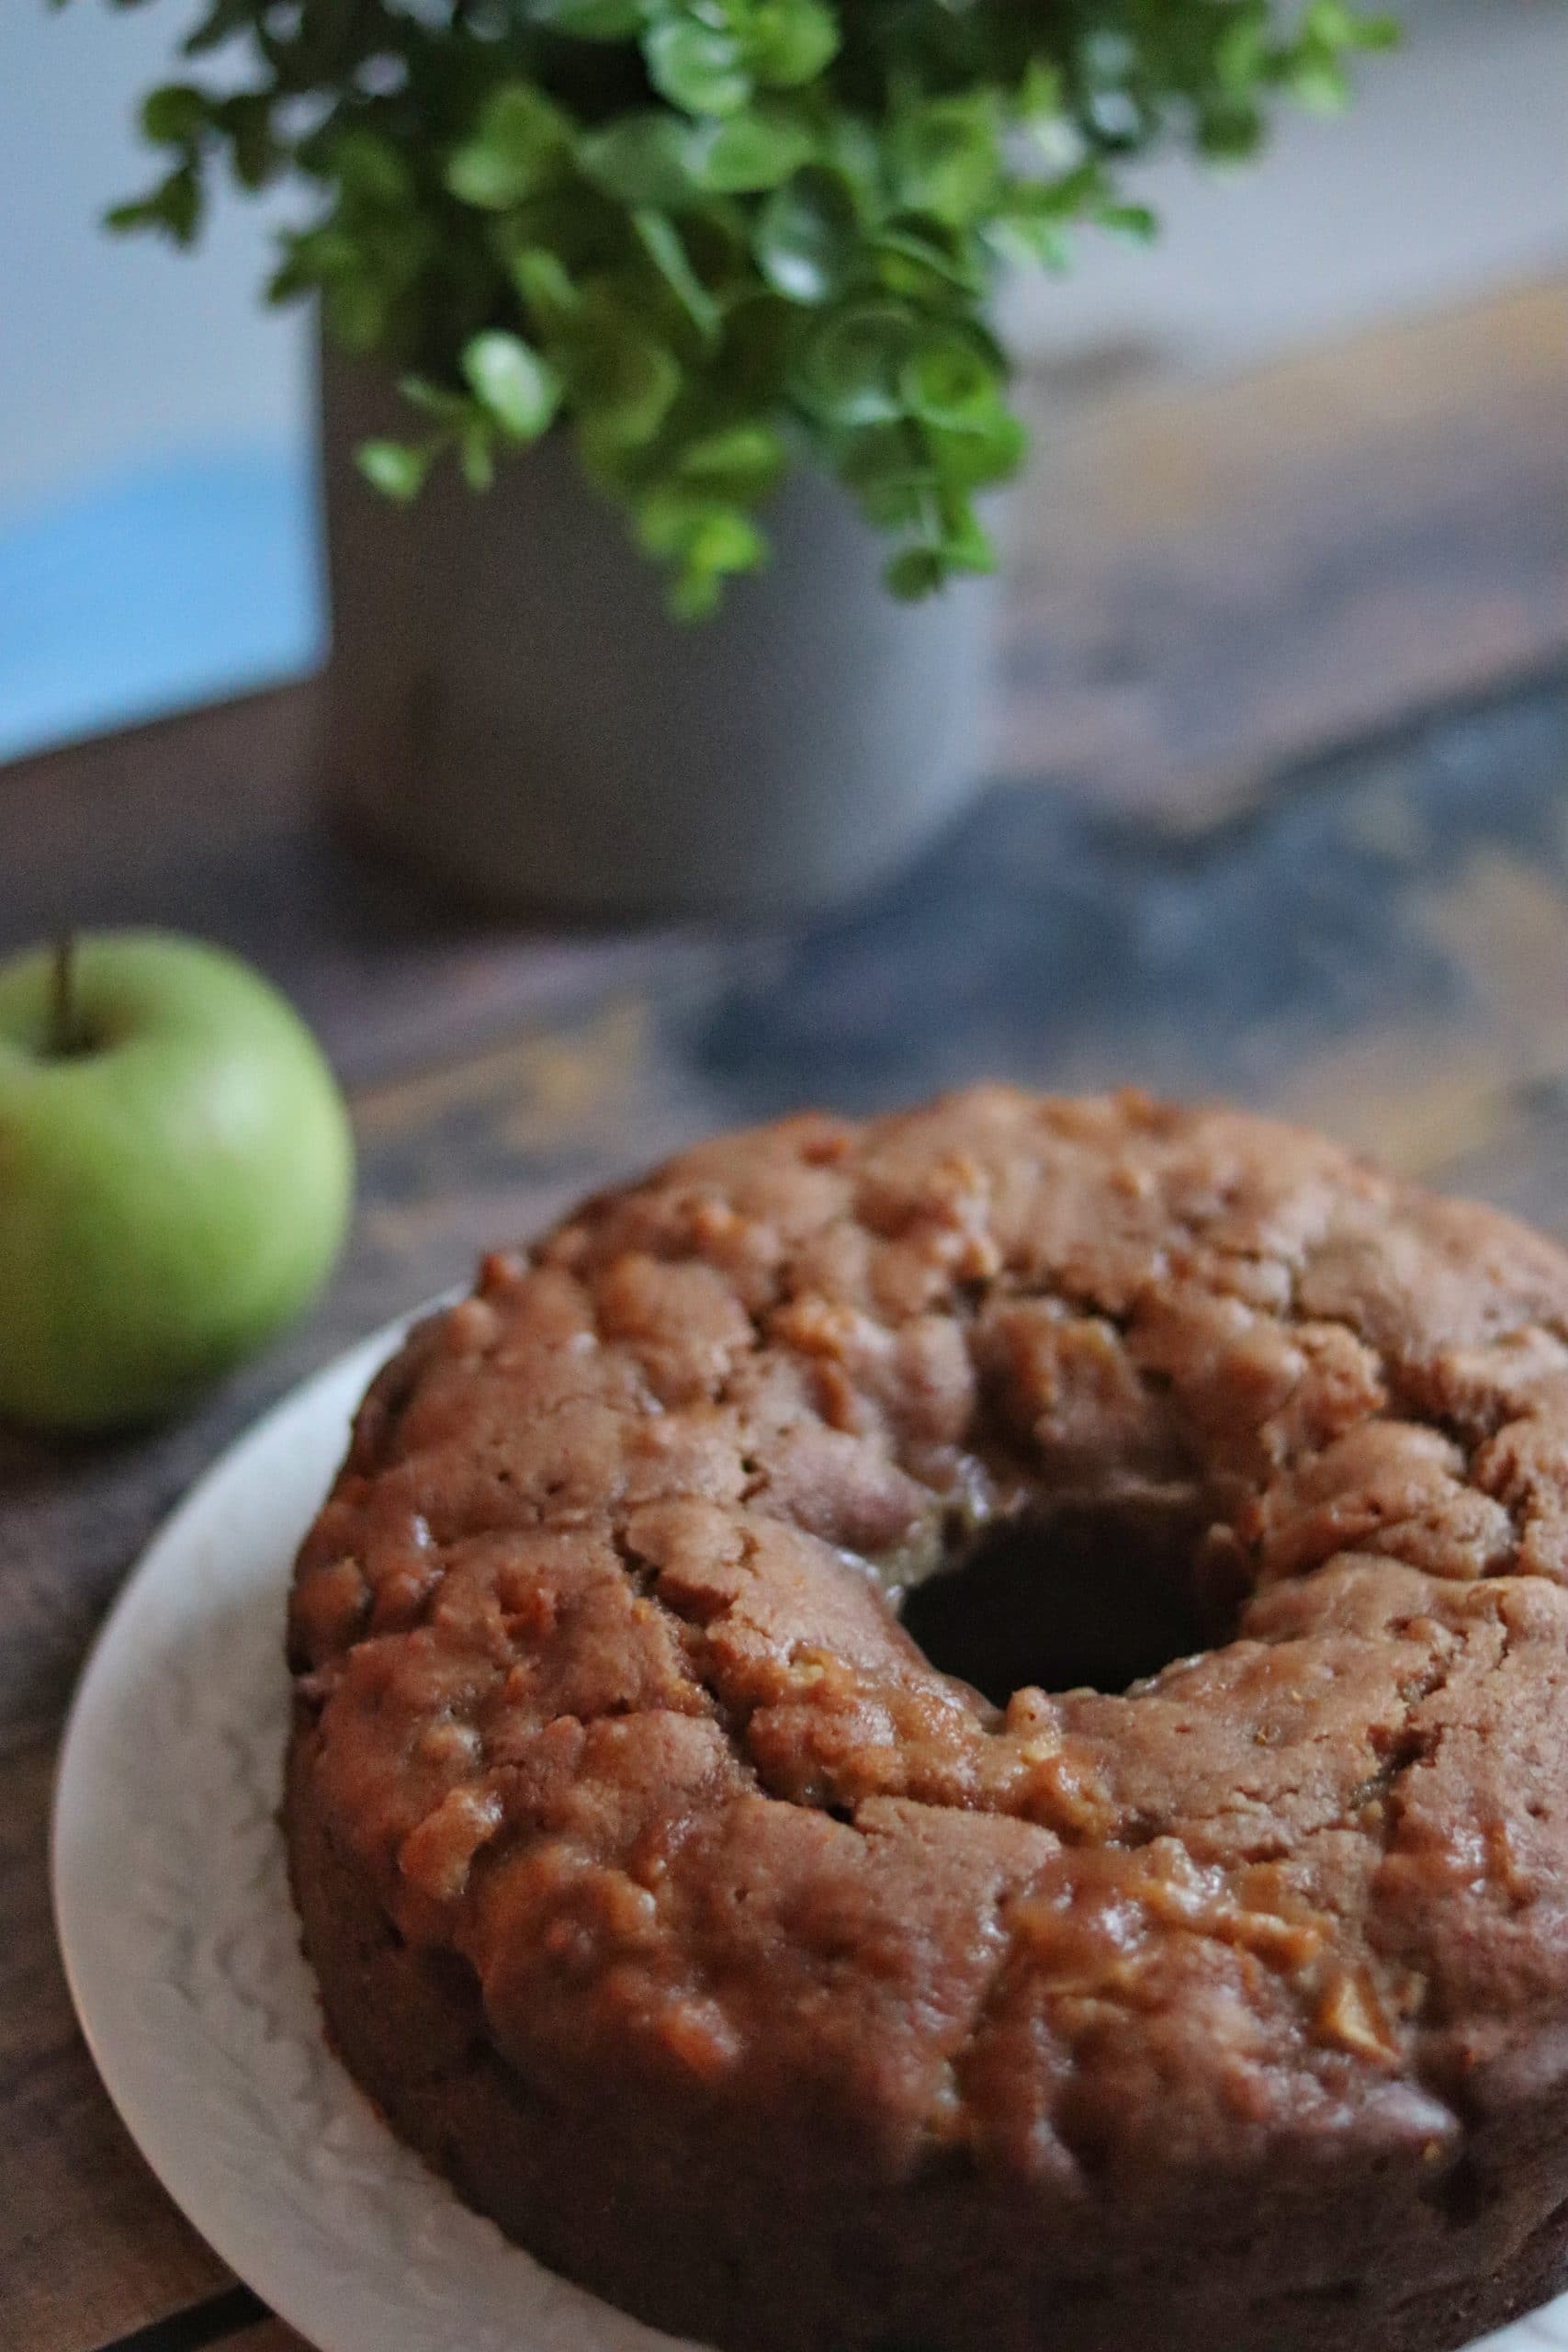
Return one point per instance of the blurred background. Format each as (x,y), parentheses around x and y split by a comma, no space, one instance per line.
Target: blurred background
(157,536)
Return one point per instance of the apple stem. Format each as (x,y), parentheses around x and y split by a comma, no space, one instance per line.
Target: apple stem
(62,1033)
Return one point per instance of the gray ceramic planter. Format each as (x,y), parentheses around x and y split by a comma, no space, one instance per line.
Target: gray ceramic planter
(511,712)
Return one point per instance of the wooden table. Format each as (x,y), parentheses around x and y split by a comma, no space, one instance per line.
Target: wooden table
(1280,808)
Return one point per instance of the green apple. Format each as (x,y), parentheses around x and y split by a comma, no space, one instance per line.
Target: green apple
(177,1175)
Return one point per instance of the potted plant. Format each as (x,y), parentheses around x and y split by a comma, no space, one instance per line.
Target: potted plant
(619,288)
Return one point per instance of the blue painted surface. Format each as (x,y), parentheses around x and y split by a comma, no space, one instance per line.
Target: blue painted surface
(1042,943)
(171,585)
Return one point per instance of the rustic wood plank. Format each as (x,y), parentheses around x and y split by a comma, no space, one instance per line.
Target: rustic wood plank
(1211,581)
(219,2319)
(208,823)
(271,2335)
(90,2247)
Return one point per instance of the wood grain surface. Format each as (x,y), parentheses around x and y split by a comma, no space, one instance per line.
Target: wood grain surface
(1217,582)
(1281,810)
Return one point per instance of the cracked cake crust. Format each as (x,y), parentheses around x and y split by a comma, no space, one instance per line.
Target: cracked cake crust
(792,1994)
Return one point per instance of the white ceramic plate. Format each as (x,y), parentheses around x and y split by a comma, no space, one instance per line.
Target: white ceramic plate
(179,1943)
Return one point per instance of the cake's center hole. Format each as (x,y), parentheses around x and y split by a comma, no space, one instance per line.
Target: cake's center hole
(1076,1596)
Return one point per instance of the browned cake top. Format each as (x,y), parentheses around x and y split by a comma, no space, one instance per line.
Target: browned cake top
(608,1696)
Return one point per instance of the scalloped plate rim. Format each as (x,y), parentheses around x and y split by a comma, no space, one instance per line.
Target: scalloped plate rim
(177,2125)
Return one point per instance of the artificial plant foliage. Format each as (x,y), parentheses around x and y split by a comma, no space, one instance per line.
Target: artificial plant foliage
(711,236)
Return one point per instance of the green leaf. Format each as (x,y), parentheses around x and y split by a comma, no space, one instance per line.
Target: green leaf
(965,546)
(589,20)
(890,469)
(849,371)
(1038,213)
(313,257)
(394,468)
(1335,25)
(696,66)
(762,336)
(665,520)
(915,572)
(903,502)
(623,384)
(983,450)
(511,382)
(254,151)
(694,595)
(359,311)
(369,169)
(742,462)
(749,152)
(1042,99)
(790,41)
(175,116)
(437,400)
(544,284)
(173,207)
(661,241)
(1241,54)
(853,147)
(1134,220)
(476,452)
(522,143)
(945,380)
(224,18)
(645,160)
(1320,84)
(725,541)
(913,261)
(1230,131)
(706,538)
(1316,67)
(1025,243)
(808,235)
(947,157)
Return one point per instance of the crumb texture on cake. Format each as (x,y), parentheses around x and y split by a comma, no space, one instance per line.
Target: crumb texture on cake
(798,1996)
